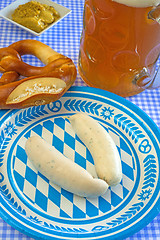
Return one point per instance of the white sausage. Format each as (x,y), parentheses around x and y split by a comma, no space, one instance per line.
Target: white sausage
(61,170)
(101,146)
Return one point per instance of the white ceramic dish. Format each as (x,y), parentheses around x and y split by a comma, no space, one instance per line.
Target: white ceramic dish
(7,12)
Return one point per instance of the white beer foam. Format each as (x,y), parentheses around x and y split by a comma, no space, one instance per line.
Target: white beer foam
(138,3)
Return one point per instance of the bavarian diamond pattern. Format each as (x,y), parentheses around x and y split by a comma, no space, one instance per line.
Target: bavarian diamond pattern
(54,200)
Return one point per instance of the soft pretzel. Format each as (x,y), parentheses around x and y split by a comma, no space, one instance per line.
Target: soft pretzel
(43,84)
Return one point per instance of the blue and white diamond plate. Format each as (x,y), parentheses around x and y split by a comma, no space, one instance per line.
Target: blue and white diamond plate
(35,206)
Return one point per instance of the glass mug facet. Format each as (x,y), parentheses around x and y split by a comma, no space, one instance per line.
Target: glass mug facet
(119,46)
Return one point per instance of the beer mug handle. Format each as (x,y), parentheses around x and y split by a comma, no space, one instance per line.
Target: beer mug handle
(154,14)
(156,79)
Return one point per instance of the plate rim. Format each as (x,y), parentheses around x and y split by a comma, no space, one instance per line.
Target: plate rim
(124,102)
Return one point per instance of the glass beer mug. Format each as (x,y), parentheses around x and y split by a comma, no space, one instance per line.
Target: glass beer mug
(120,45)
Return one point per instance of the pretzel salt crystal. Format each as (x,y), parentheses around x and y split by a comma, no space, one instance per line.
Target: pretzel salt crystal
(43,84)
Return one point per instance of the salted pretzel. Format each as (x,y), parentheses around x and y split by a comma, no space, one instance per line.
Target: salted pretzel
(41,85)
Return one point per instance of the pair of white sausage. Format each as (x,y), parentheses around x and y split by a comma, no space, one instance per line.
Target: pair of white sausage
(69,175)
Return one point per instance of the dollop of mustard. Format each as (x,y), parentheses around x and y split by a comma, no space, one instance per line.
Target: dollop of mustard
(35,16)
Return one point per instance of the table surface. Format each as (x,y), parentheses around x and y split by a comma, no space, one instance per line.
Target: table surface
(64,37)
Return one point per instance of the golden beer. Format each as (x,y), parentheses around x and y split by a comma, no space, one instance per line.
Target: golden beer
(119,47)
